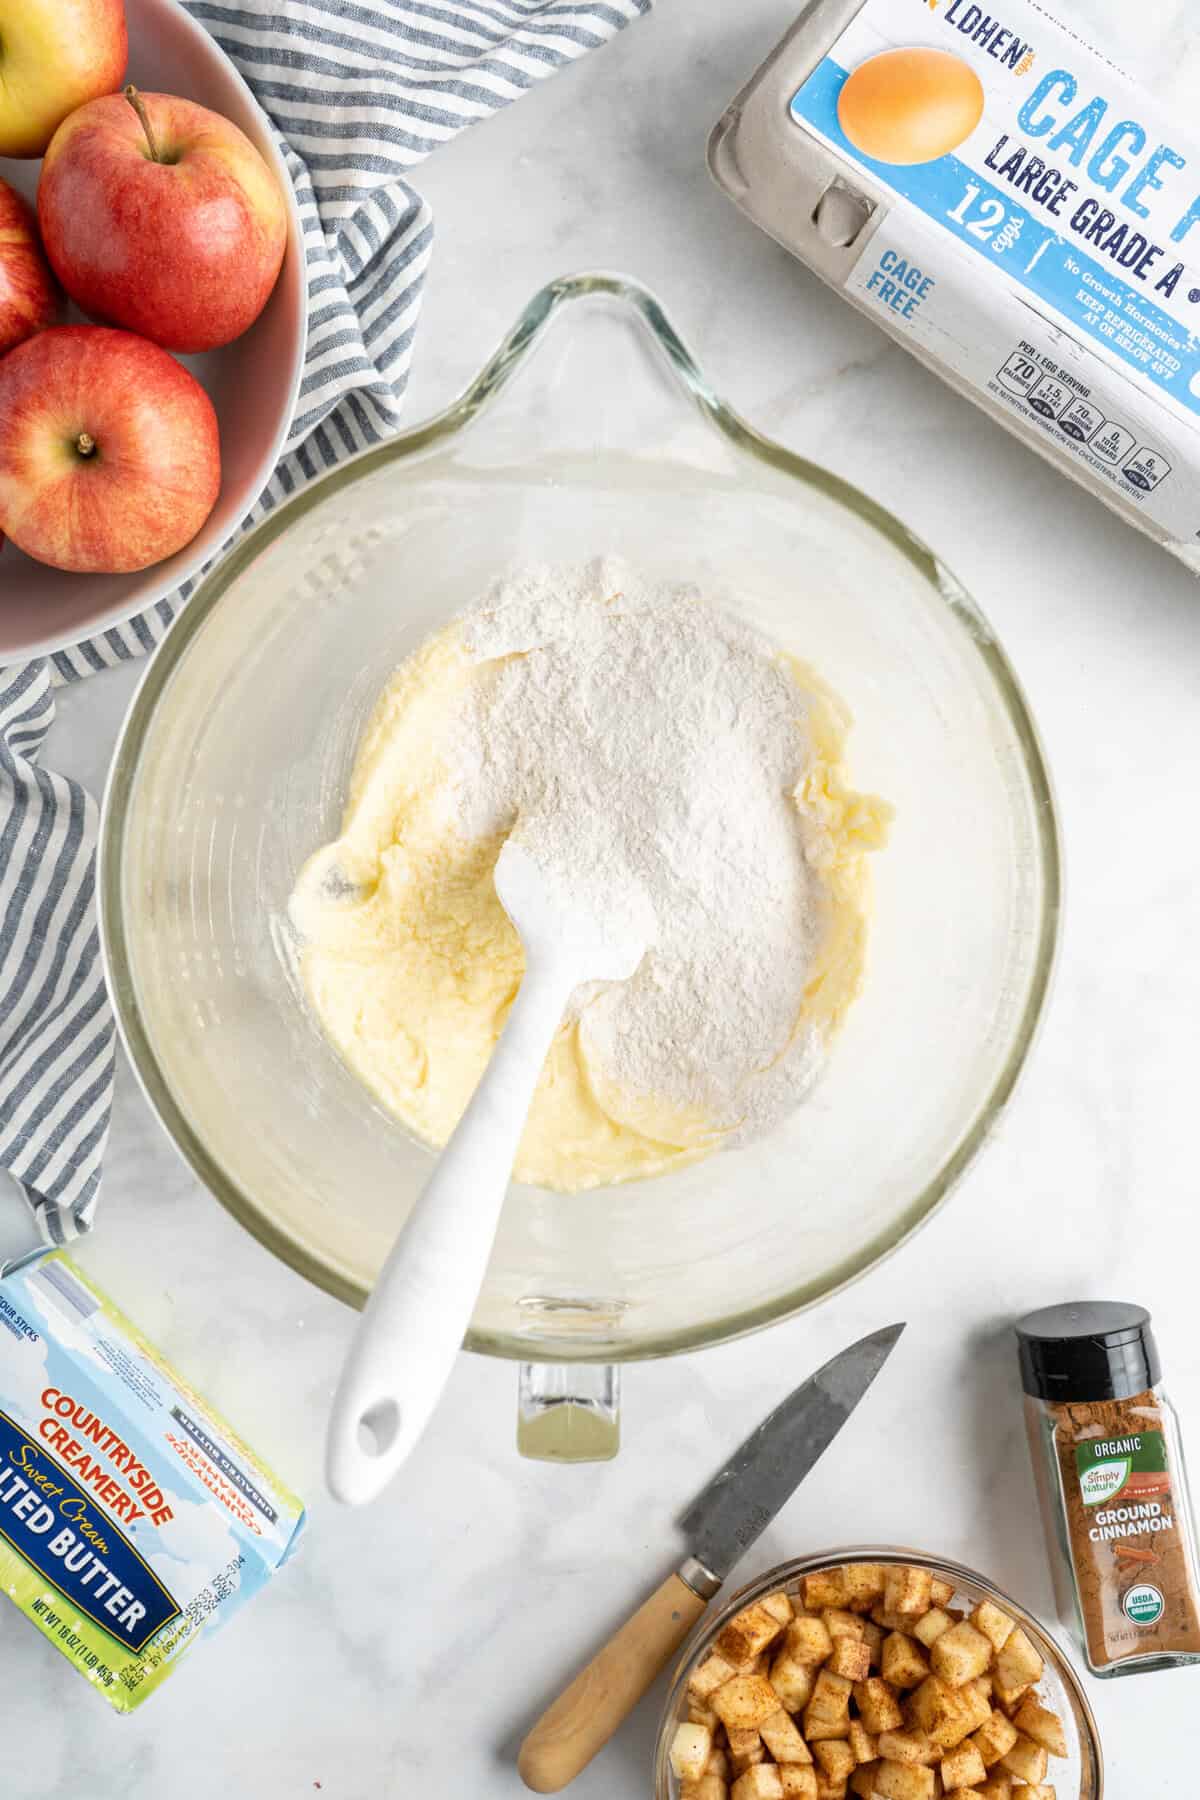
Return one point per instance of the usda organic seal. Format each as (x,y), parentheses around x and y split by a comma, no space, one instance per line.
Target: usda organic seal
(1144,1604)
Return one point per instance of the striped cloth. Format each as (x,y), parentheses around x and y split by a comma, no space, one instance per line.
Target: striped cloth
(359,91)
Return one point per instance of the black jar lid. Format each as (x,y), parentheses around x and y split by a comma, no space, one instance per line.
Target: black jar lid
(1088,1350)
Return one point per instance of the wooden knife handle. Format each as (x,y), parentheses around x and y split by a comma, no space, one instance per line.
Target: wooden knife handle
(601,1697)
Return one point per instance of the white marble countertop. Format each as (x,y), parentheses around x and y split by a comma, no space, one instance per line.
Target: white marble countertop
(404,1652)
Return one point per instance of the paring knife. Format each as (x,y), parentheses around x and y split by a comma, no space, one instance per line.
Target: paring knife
(720,1525)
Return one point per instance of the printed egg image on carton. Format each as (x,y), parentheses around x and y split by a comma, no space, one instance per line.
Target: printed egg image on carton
(133,1523)
(989,186)
(910,106)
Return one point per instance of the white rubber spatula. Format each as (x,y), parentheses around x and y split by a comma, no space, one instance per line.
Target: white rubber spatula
(586,927)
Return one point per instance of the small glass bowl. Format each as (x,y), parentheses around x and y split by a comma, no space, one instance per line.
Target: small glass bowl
(1079,1776)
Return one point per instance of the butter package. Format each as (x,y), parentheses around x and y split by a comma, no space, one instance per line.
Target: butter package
(991,184)
(133,1523)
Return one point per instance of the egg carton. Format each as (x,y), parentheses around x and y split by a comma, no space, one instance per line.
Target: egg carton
(996,192)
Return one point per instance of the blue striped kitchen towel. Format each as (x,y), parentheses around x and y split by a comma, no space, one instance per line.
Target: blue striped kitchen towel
(359,92)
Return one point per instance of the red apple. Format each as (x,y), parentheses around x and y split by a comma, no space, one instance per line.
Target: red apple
(54,55)
(161,216)
(109,455)
(29,296)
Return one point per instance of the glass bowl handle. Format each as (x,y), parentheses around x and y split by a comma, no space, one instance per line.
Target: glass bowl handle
(569,1412)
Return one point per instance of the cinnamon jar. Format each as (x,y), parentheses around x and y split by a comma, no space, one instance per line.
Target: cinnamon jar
(1108,1462)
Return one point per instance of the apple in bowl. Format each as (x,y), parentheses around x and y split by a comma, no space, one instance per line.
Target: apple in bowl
(253,382)
(162,217)
(109,450)
(29,294)
(55,55)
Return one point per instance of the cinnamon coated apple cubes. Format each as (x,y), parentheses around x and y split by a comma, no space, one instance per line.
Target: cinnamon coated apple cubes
(867,1682)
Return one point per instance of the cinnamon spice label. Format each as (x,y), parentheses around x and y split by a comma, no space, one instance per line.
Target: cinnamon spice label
(1137,1590)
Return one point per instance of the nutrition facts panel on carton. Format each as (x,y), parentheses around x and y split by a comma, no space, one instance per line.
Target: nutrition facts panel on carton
(1035,378)
(1097,426)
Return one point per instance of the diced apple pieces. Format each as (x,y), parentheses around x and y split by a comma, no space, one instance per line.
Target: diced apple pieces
(963,1768)
(793,1682)
(950,1713)
(892,1621)
(826,1588)
(1018,1664)
(863,1586)
(827,1714)
(1042,1725)
(690,1749)
(824,1731)
(743,1703)
(747,1635)
(746,1749)
(940,1712)
(761,1783)
(835,1759)
(840,1623)
(864,1747)
(904,1781)
(908,1590)
(1026,1760)
(808,1640)
(708,1676)
(960,1654)
(995,1625)
(850,1658)
(904,1662)
(995,1739)
(862,1782)
(977,1707)
(831,1694)
(1009,1698)
(783,1740)
(907,1747)
(779,1606)
(709,1787)
(929,1628)
(877,1705)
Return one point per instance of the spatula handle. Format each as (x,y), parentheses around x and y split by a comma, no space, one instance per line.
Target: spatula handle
(413,1324)
(601,1697)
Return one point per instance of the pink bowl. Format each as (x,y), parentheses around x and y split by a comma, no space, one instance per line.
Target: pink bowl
(254,383)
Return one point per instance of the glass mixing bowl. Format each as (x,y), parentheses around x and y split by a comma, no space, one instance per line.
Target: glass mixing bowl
(1078,1776)
(591,429)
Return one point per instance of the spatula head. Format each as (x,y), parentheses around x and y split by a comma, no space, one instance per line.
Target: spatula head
(593,914)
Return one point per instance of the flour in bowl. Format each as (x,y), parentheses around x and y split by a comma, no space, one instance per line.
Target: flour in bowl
(624,724)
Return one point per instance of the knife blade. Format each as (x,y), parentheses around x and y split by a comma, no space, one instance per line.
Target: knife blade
(724,1519)
(742,1498)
